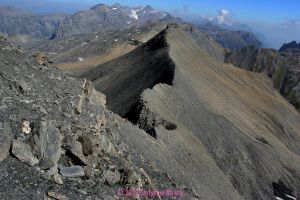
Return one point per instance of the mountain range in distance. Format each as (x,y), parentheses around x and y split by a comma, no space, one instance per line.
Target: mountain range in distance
(26,26)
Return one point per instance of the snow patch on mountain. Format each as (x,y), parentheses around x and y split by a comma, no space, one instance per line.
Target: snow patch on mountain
(134,14)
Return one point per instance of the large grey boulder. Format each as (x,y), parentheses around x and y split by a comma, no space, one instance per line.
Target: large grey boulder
(47,144)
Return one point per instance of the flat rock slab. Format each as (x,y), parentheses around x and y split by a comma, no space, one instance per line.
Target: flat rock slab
(72,172)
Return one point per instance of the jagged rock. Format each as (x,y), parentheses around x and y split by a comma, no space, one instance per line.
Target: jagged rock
(26,127)
(72,172)
(23,152)
(112,177)
(75,148)
(5,140)
(47,144)
(41,58)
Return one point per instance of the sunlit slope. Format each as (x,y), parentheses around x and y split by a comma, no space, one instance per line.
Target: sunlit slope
(247,128)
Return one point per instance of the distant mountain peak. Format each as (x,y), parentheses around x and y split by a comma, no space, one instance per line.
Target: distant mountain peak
(148,8)
(99,6)
(291,45)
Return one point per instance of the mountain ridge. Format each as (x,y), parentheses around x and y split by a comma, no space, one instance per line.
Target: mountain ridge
(238,105)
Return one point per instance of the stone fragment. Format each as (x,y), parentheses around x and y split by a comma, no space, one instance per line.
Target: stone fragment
(112,177)
(75,148)
(72,172)
(26,127)
(5,140)
(23,152)
(57,196)
(57,179)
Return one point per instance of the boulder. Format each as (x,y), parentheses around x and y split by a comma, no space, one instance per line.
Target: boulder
(47,144)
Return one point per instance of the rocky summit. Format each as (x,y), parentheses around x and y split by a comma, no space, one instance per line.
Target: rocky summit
(124,104)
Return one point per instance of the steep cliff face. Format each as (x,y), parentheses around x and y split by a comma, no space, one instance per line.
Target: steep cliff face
(233,136)
(281,67)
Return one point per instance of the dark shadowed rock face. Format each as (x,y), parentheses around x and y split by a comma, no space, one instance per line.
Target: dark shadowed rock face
(282,67)
(233,40)
(146,66)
